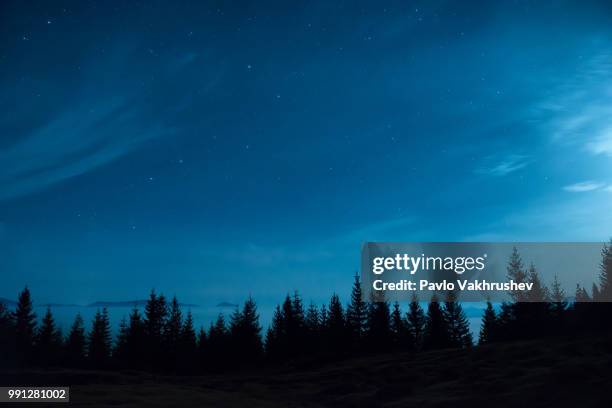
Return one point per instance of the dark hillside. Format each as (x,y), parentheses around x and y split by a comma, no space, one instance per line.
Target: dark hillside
(567,372)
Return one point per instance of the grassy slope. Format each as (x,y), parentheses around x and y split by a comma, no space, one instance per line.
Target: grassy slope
(537,373)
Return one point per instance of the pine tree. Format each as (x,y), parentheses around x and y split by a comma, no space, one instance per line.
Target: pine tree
(312,324)
(99,342)
(312,320)
(7,337)
(436,333)
(188,346)
(202,348)
(399,332)
(456,322)
(415,321)
(539,292)
(298,314)
(335,329)
(76,343)
(245,332)
(595,293)
(605,274)
(581,295)
(49,341)
(218,339)
(516,271)
(120,352)
(171,333)
(156,312)
(323,318)
(136,352)
(356,313)
(559,304)
(173,324)
(488,326)
(25,324)
(275,336)
(297,332)
(378,324)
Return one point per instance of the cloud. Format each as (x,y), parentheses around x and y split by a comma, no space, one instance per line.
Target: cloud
(505,166)
(602,144)
(580,111)
(583,187)
(81,138)
(577,218)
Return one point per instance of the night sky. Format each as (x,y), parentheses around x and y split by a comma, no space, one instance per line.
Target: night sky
(218,149)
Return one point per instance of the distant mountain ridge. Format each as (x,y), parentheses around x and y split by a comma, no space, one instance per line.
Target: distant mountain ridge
(8,302)
(99,303)
(226,304)
(130,303)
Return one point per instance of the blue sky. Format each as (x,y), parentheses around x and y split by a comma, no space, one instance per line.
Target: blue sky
(219,149)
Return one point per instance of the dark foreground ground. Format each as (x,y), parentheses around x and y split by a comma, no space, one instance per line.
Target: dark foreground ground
(528,374)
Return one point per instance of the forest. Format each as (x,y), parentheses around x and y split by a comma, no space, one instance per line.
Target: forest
(163,338)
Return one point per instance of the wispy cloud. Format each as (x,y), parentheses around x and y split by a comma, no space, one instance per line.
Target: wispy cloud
(80,139)
(581,110)
(584,186)
(602,144)
(504,166)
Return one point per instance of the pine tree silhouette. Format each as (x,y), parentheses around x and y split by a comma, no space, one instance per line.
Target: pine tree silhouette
(156,312)
(458,327)
(7,338)
(245,334)
(436,334)
(188,347)
(49,341)
(335,328)
(171,333)
(516,271)
(557,295)
(533,318)
(312,320)
(25,324)
(378,324)
(120,351)
(539,292)
(202,349)
(356,314)
(399,329)
(99,342)
(275,336)
(76,343)
(582,296)
(312,324)
(488,326)
(558,306)
(323,318)
(218,342)
(415,321)
(595,293)
(298,333)
(136,342)
(605,273)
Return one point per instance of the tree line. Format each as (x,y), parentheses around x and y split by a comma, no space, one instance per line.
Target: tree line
(545,311)
(163,339)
